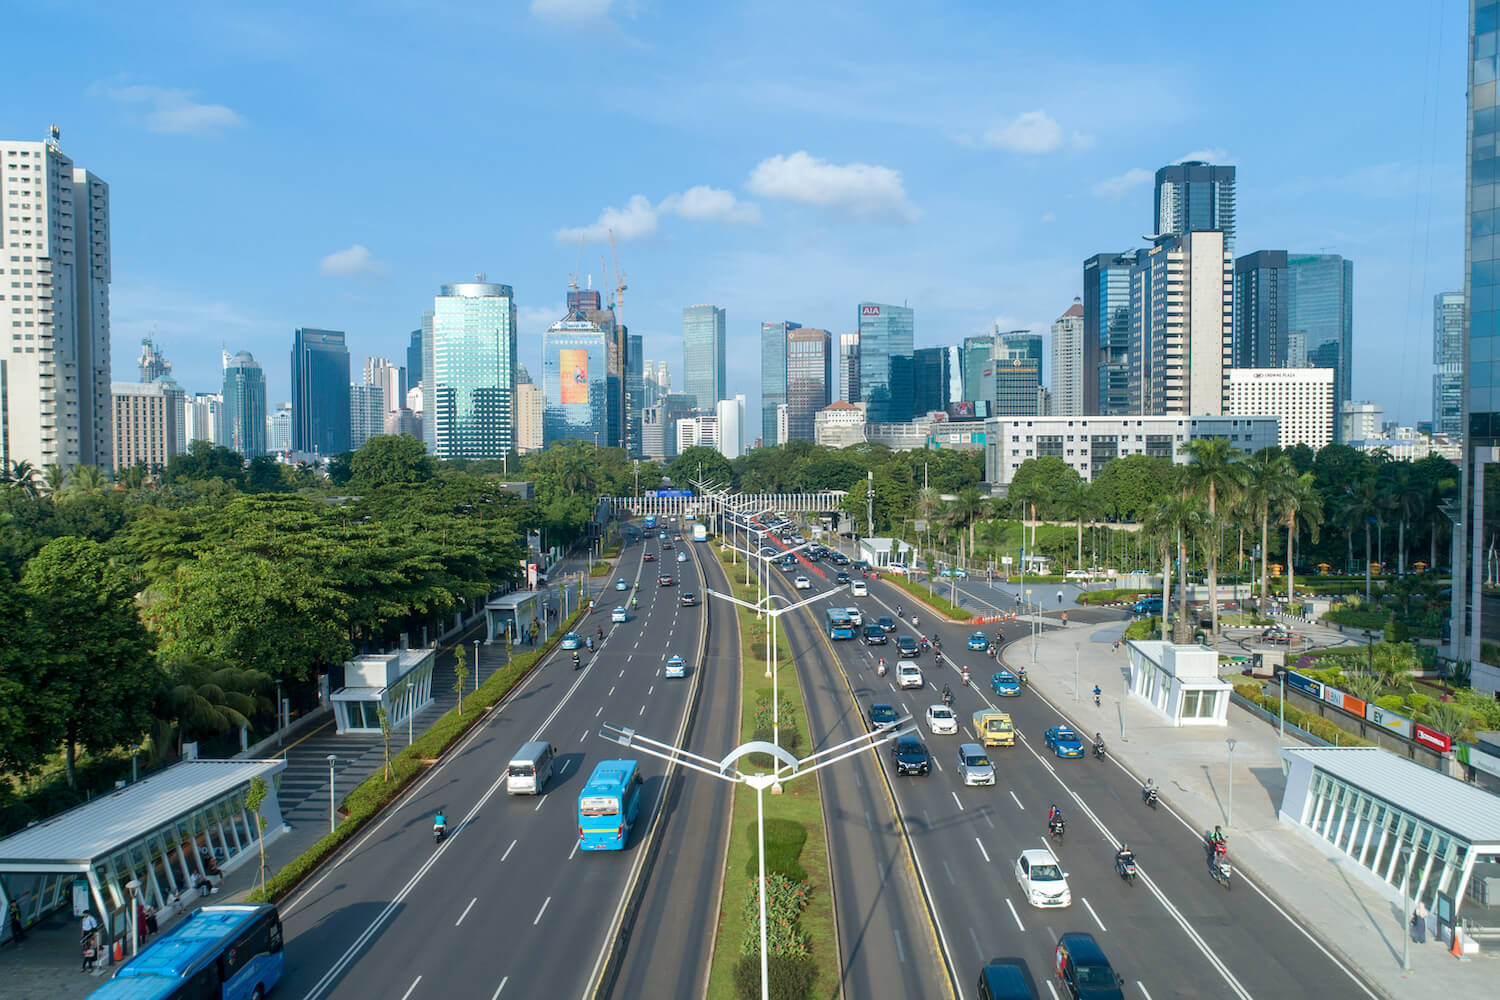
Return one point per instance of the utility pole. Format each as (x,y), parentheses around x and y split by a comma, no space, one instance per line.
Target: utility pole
(870,504)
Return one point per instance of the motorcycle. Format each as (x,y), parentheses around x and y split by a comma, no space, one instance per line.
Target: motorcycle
(1125,868)
(1097,692)
(1220,871)
(1022,675)
(1057,827)
(1217,849)
(1149,795)
(577,661)
(947,697)
(880,667)
(1099,750)
(964,674)
(439,832)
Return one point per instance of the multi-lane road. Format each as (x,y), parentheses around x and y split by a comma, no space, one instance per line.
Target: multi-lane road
(507,905)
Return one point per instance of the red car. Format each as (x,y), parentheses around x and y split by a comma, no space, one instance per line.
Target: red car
(649,557)
(664,580)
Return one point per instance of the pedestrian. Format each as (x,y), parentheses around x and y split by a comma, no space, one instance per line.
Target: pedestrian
(1065,619)
(151,925)
(1117,646)
(1419,923)
(17,927)
(88,925)
(1059,598)
(90,950)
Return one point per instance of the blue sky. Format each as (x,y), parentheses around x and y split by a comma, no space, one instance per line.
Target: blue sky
(274,166)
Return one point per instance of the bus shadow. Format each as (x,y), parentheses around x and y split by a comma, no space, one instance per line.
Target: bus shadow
(336,934)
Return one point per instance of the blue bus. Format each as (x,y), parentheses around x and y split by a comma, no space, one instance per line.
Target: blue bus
(228,952)
(650,521)
(840,625)
(608,805)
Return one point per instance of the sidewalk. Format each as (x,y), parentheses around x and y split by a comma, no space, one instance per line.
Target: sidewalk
(1316,882)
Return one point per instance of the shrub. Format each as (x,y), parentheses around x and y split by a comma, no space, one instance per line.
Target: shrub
(784,841)
(1144,628)
(1306,721)
(791,738)
(788,978)
(785,901)
(601,569)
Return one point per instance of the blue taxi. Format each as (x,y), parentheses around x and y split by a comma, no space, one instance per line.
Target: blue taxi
(1064,742)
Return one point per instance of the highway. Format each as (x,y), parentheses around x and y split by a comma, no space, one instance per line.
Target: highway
(1174,933)
(507,905)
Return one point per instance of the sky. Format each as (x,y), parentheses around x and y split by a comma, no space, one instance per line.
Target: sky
(327,165)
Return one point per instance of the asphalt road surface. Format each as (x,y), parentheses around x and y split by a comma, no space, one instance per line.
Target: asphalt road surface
(507,905)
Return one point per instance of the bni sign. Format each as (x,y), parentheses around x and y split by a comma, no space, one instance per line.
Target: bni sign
(869,310)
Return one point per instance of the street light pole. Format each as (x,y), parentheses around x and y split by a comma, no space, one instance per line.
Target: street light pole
(476,652)
(134,888)
(1229,812)
(1281,709)
(1406,908)
(280,725)
(332,760)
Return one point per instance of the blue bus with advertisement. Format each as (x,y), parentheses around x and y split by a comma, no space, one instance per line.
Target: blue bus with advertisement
(609,805)
(227,952)
(840,625)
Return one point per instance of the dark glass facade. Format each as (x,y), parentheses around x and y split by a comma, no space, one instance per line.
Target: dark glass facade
(772,376)
(1320,308)
(1448,358)
(573,379)
(1195,196)
(413,362)
(244,412)
(809,380)
(703,368)
(1106,333)
(886,348)
(1261,302)
(931,378)
(320,392)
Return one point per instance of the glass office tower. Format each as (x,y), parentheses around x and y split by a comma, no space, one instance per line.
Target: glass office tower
(573,382)
(1448,357)
(703,374)
(1320,307)
(1194,196)
(886,335)
(930,379)
(473,370)
(1261,304)
(772,377)
(320,392)
(1106,332)
(244,407)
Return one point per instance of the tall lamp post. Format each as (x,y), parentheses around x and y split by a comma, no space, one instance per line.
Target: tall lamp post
(783,766)
(476,652)
(779,554)
(133,887)
(1406,907)
(333,759)
(1229,812)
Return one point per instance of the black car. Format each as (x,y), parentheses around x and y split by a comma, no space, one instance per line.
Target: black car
(842,578)
(882,714)
(908,647)
(1085,971)
(911,756)
(840,559)
(666,545)
(886,623)
(649,557)
(874,635)
(688,600)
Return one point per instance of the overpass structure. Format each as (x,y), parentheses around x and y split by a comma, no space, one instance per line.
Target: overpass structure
(675,503)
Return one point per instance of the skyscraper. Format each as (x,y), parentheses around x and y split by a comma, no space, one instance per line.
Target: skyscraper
(320,392)
(1262,298)
(366,413)
(1448,356)
(472,408)
(809,380)
(849,367)
(429,424)
(1011,381)
(151,363)
(886,335)
(55,374)
(977,352)
(414,361)
(573,374)
(391,378)
(1106,332)
(773,377)
(703,371)
(1067,362)
(244,406)
(635,392)
(1321,308)
(1194,196)
(729,419)
(1181,317)
(930,380)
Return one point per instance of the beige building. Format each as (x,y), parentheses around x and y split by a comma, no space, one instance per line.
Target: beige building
(1301,399)
(531,402)
(839,425)
(148,423)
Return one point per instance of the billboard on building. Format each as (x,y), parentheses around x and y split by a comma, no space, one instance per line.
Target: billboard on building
(1349,703)
(1431,738)
(1398,724)
(573,374)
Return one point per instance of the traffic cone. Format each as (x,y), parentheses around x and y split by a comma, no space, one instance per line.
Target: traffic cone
(118,954)
(1457,951)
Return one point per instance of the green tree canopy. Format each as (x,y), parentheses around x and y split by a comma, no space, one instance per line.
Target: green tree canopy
(1127,486)
(390,458)
(1044,481)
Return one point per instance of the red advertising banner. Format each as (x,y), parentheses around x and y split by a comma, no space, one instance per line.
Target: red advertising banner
(1431,738)
(1349,703)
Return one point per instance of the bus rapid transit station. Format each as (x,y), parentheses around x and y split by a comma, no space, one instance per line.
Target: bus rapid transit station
(1403,824)
(187,820)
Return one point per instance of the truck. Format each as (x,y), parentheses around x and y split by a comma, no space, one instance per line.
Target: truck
(993,728)
(700,533)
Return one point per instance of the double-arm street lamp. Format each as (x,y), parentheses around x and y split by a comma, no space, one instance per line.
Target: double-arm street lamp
(763,579)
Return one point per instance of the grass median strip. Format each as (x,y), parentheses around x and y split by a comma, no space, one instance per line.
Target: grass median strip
(942,605)
(803,960)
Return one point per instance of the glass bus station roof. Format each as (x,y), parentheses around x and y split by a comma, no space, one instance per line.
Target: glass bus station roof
(75,838)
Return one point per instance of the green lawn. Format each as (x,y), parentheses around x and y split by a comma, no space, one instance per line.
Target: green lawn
(941,604)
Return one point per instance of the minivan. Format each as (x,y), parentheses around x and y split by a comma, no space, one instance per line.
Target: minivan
(1005,981)
(530,768)
(1148,605)
(974,765)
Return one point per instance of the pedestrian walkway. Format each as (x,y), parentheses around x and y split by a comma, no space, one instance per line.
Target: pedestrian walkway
(1314,881)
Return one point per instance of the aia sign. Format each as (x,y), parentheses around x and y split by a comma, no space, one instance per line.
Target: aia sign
(869,310)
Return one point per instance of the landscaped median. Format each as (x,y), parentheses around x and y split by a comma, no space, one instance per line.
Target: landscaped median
(803,960)
(372,795)
(941,605)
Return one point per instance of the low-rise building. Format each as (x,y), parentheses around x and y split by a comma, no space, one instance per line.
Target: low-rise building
(839,425)
(1300,398)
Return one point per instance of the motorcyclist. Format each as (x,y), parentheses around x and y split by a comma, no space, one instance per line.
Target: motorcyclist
(635,602)
(1149,791)
(937,642)
(1098,745)
(947,696)
(1220,845)
(914,623)
(880,667)
(575,658)
(964,674)
(440,824)
(1053,814)
(599,634)
(898,611)
(1124,858)
(923,642)
(1097,693)
(590,643)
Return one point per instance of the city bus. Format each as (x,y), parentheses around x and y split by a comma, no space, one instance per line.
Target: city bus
(649,521)
(840,625)
(231,951)
(608,806)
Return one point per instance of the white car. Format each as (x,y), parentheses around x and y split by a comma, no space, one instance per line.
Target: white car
(1043,882)
(682,557)
(941,721)
(617,615)
(908,675)
(803,583)
(855,617)
(858,589)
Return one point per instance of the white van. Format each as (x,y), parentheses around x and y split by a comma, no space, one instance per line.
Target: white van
(530,768)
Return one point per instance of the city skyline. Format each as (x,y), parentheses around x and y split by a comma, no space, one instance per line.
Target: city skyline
(1060,171)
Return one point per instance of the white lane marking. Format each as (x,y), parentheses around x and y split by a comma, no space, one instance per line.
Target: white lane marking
(949,872)
(622,674)
(1142,987)
(890,685)
(584,736)
(649,690)
(1015,916)
(1093,914)
(466,911)
(900,951)
(611,692)
(981,849)
(975,938)
(564,770)
(958,800)
(987,819)
(507,979)
(539,800)
(934,764)
(596,715)
(642,711)
(1018,803)
(539,913)
(1050,988)
(413,986)
(573,851)
(512,847)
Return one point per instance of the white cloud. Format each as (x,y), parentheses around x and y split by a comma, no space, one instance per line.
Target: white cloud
(1049,217)
(535,320)
(858,190)
(1028,132)
(708,204)
(635,220)
(574,11)
(1214,154)
(174,112)
(1113,187)
(354,262)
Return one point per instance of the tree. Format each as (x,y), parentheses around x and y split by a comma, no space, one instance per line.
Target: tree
(1301,505)
(1126,487)
(255,795)
(390,458)
(201,697)
(699,461)
(204,461)
(1076,502)
(26,727)
(55,479)
(967,507)
(23,476)
(1362,508)
(1180,517)
(461,674)
(1269,476)
(1215,471)
(98,671)
(1043,481)
(384,718)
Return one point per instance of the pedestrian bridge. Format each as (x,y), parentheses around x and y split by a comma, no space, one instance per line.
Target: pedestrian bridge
(675,505)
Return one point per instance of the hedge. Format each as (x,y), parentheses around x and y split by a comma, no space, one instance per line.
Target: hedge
(375,793)
(1112,594)
(1309,722)
(940,604)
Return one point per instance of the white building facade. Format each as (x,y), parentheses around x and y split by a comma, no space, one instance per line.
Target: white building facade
(839,425)
(1181,320)
(1300,398)
(729,415)
(1362,421)
(530,406)
(366,413)
(1066,399)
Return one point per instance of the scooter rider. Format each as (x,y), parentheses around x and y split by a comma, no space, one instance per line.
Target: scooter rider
(439,825)
(1124,859)
(1098,745)
(964,674)
(947,696)
(1149,791)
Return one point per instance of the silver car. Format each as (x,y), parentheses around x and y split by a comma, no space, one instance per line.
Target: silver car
(974,765)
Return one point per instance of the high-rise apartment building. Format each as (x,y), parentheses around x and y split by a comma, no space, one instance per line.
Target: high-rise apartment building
(849,367)
(729,419)
(1181,319)
(931,380)
(413,362)
(773,377)
(473,373)
(320,392)
(1321,308)
(55,395)
(1106,332)
(147,423)
(703,370)
(886,348)
(1361,421)
(151,363)
(367,409)
(204,419)
(809,381)
(279,430)
(1301,399)
(531,408)
(573,383)
(244,406)
(391,378)
(1448,357)
(1067,362)
(1194,196)
(1262,298)
(429,425)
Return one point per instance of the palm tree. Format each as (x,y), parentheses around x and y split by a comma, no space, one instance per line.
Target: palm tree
(1216,470)
(926,502)
(991,533)
(1077,502)
(207,697)
(1448,718)
(1433,498)
(23,476)
(87,479)
(967,507)
(1178,517)
(1268,475)
(1301,505)
(1363,507)
(55,479)
(1364,686)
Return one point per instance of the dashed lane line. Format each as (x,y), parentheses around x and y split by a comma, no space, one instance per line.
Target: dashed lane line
(1015,916)
(466,911)
(982,850)
(538,918)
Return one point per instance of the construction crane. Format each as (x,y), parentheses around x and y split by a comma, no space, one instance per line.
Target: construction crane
(573,278)
(620,285)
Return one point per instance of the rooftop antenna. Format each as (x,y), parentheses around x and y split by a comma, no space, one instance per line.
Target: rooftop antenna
(480,277)
(54,138)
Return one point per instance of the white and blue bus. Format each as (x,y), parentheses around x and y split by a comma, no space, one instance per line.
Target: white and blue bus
(608,806)
(229,952)
(840,625)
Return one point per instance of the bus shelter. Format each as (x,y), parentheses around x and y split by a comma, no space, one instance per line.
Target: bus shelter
(188,819)
(514,612)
